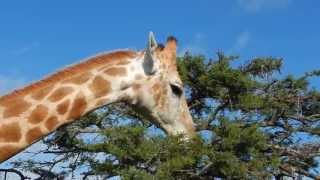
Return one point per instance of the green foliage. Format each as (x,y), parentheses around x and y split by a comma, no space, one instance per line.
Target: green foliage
(138,156)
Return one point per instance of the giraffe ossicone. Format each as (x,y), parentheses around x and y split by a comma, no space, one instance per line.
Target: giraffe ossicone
(148,80)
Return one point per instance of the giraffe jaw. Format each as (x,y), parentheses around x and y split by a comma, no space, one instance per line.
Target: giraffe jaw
(172,129)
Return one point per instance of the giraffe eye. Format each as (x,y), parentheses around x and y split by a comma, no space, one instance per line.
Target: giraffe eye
(176,89)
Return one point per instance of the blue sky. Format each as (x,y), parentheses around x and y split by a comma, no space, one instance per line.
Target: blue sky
(38,37)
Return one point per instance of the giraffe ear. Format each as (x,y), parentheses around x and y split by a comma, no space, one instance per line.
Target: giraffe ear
(149,60)
(152,43)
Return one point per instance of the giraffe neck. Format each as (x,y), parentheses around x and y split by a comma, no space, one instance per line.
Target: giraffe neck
(31,113)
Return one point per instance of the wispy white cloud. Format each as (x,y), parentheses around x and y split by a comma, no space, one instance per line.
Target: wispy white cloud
(196,46)
(258,5)
(9,83)
(241,42)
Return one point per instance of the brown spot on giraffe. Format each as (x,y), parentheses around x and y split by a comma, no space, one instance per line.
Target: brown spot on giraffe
(10,132)
(159,92)
(33,135)
(60,93)
(51,123)
(42,93)
(79,106)
(7,151)
(38,114)
(116,71)
(79,79)
(100,87)
(62,108)
(15,107)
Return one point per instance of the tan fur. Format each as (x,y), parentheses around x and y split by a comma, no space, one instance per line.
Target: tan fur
(123,62)
(62,108)
(184,118)
(14,107)
(157,93)
(78,107)
(79,79)
(51,123)
(33,135)
(116,71)
(38,114)
(60,93)
(101,102)
(136,86)
(100,86)
(42,93)
(10,133)
(168,55)
(7,151)
(138,77)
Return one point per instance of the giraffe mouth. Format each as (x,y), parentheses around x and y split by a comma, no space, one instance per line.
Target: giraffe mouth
(161,122)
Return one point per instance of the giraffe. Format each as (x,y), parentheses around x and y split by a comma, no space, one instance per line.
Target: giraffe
(147,80)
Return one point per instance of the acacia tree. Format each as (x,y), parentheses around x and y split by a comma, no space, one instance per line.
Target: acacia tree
(252,123)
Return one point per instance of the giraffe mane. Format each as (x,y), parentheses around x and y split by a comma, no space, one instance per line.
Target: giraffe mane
(86,64)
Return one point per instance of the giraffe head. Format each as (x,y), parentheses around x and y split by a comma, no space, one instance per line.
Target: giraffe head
(160,97)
